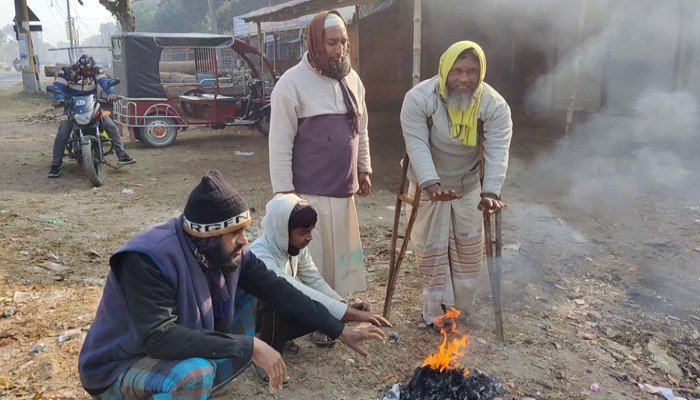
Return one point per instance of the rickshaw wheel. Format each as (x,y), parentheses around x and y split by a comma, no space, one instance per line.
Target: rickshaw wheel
(159,132)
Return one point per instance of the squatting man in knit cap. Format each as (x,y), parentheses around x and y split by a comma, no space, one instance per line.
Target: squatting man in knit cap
(177,304)
(319,149)
(439,119)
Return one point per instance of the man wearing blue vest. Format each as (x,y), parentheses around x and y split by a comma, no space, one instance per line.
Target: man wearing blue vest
(166,327)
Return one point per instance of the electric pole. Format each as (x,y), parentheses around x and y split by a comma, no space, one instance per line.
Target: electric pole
(71,55)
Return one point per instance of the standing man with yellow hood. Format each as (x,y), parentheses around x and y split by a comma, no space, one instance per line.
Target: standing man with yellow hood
(439,119)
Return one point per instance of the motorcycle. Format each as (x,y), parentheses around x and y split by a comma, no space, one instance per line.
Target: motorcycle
(88,143)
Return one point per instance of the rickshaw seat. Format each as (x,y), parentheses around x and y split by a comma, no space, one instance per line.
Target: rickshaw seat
(224,99)
(195,98)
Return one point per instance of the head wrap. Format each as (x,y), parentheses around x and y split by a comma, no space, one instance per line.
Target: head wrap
(463,122)
(314,37)
(319,60)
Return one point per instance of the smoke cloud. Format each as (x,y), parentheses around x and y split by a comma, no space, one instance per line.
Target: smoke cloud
(643,136)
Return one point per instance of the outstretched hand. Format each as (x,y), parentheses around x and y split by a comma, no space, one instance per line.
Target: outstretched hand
(436,193)
(352,336)
(360,312)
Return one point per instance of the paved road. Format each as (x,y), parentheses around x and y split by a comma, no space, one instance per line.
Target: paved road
(8,78)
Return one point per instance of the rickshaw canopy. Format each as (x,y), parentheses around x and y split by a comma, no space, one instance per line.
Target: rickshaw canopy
(136,57)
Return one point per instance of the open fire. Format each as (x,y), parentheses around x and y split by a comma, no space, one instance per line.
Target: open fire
(442,376)
(449,352)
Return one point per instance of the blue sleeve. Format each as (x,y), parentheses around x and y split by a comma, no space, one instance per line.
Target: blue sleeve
(61,83)
(104,84)
(60,95)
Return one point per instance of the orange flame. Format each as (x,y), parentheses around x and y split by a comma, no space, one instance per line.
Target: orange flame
(448,352)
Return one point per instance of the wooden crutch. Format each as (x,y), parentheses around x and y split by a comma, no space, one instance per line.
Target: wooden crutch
(396,259)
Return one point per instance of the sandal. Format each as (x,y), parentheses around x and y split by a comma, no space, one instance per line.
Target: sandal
(321,340)
(291,348)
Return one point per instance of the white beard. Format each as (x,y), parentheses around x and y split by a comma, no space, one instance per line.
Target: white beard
(459,101)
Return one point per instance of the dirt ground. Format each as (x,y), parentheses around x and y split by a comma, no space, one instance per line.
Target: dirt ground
(606,298)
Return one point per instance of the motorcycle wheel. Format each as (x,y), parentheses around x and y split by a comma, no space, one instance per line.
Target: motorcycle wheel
(264,125)
(92,165)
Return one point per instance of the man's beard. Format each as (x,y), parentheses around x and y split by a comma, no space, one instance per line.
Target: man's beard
(216,256)
(459,100)
(293,251)
(339,69)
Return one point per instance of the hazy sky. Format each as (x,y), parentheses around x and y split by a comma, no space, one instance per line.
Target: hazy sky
(52,14)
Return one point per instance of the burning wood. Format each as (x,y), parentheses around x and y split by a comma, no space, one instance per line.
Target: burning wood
(448,352)
(441,375)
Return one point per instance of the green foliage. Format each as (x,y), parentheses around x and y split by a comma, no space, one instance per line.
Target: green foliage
(145,14)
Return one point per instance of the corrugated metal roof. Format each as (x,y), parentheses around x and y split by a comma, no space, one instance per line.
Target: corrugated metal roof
(297,8)
(243,29)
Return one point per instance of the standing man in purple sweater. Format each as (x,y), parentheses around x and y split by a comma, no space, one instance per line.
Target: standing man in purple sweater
(319,148)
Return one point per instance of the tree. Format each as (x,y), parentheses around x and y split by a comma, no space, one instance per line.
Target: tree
(228,9)
(145,15)
(121,10)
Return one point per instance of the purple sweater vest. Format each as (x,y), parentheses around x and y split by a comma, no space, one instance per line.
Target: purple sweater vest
(112,345)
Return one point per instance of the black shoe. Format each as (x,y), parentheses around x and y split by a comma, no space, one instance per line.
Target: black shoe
(125,159)
(55,171)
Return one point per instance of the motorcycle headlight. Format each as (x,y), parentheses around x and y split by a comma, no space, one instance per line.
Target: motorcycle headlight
(83,119)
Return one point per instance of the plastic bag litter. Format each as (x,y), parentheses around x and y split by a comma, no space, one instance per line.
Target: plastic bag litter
(667,393)
(53,221)
(394,393)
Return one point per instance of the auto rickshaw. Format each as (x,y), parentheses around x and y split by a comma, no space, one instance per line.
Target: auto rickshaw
(172,82)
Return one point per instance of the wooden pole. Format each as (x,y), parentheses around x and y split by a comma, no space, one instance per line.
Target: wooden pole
(261,47)
(29,79)
(417,26)
(401,197)
(28,32)
(356,37)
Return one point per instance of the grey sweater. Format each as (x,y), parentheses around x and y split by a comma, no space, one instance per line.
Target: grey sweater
(436,157)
